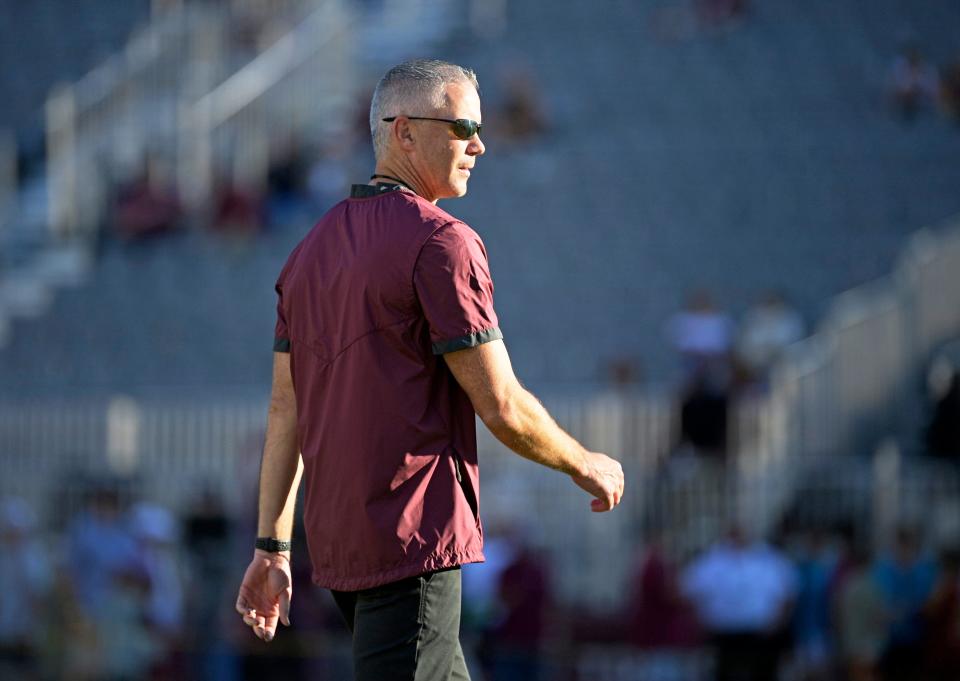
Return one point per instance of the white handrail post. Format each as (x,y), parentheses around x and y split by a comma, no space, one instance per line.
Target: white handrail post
(886,492)
(61,118)
(194,156)
(8,169)
(252,158)
(123,435)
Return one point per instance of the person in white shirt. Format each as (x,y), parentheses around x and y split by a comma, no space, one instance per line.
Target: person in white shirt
(743,593)
(767,329)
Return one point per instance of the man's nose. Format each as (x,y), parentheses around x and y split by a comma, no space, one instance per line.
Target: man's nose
(476,146)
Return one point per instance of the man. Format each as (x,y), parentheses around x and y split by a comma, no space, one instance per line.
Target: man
(386,345)
(744,591)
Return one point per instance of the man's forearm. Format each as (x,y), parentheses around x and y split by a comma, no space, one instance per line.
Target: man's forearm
(280,471)
(525,426)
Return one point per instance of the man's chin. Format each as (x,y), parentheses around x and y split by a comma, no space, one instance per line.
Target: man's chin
(456,191)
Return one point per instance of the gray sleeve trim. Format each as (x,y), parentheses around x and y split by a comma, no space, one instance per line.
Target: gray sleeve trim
(469,341)
(281,345)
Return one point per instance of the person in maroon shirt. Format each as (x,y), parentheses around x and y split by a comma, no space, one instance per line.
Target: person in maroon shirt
(386,346)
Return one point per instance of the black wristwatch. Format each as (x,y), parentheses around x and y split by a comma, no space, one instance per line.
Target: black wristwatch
(272,545)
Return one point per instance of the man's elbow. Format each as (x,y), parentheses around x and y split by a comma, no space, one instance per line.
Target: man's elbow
(502,417)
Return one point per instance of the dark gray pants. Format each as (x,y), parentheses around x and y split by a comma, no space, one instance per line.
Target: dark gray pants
(407,630)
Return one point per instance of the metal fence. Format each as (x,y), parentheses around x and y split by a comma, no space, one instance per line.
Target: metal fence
(301,89)
(167,452)
(855,382)
(126,106)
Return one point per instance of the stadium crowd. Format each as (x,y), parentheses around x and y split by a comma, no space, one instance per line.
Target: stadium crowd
(125,589)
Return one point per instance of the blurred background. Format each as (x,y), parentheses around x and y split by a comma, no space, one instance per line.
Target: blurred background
(725,240)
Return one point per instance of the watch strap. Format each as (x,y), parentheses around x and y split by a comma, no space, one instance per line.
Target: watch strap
(272,545)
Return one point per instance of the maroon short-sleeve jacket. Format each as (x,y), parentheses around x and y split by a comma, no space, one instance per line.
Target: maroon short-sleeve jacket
(369,301)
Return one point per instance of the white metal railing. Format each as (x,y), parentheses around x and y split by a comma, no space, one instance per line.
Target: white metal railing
(300,89)
(851,385)
(168,451)
(136,102)
(175,92)
(147,102)
(126,105)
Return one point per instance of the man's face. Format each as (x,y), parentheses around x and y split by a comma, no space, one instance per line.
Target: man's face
(444,160)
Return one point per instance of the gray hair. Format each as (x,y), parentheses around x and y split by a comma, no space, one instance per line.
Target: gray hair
(407,88)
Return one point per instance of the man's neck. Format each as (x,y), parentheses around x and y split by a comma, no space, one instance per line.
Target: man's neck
(406,177)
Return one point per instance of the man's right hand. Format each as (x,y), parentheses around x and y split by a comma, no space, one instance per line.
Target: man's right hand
(265,593)
(603,478)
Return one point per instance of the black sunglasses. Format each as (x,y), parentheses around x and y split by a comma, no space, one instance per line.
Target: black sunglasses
(463,128)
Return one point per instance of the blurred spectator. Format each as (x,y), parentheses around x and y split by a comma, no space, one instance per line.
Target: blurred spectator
(862,618)
(950,91)
(71,649)
(720,12)
(207,531)
(155,531)
(481,581)
(703,337)
(906,578)
(287,199)
(743,593)
(623,372)
(92,568)
(237,210)
(816,563)
(845,536)
(146,206)
(125,645)
(703,418)
(511,647)
(521,115)
(657,614)
(316,629)
(113,567)
(767,328)
(942,616)
(26,576)
(943,431)
(913,82)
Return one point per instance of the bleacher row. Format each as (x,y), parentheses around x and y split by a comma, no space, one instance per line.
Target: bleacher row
(763,156)
(44,43)
(755,159)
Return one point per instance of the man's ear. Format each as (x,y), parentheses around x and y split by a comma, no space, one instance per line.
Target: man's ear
(403,132)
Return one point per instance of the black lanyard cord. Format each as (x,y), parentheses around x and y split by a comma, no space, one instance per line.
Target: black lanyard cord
(392,179)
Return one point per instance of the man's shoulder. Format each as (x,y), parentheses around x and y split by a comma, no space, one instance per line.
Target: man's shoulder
(430,214)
